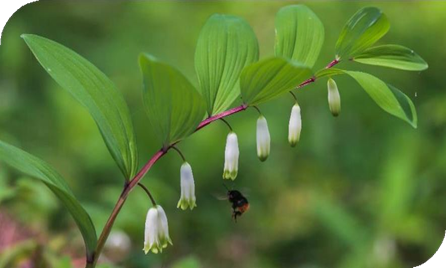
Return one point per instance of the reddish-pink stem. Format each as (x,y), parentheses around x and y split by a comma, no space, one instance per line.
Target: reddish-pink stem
(221,115)
(306,82)
(331,64)
(142,172)
(127,189)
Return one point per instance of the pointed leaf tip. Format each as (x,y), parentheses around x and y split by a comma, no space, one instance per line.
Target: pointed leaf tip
(96,92)
(362,30)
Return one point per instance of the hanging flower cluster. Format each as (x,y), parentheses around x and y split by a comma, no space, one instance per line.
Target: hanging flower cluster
(156,233)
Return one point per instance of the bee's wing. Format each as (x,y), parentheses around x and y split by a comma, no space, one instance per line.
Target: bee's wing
(220,197)
(245,191)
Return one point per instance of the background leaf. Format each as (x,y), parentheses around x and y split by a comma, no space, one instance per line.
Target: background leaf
(38,169)
(299,34)
(366,27)
(394,56)
(225,46)
(172,104)
(96,93)
(270,78)
(389,98)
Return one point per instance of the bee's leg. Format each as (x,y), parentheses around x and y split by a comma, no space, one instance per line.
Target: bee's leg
(235,214)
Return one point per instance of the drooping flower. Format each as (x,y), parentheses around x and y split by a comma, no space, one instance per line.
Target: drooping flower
(231,157)
(263,138)
(334,99)
(295,125)
(156,233)
(187,199)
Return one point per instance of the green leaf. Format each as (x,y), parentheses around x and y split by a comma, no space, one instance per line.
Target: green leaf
(38,169)
(173,105)
(299,34)
(389,98)
(366,27)
(225,46)
(96,93)
(270,78)
(393,56)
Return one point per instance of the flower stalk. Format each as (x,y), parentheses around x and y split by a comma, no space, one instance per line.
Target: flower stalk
(148,193)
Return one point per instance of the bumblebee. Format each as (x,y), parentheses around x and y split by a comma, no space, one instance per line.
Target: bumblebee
(239,203)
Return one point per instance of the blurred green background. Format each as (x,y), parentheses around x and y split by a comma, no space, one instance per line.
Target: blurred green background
(361,190)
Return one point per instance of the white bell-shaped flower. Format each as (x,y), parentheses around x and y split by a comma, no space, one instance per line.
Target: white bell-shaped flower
(263,138)
(231,157)
(156,233)
(187,199)
(334,99)
(295,125)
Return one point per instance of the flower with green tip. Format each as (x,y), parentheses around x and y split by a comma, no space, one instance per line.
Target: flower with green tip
(156,233)
(294,126)
(334,99)
(263,138)
(187,199)
(231,157)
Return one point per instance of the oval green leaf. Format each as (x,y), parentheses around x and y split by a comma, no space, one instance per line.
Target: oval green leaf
(96,92)
(225,46)
(393,56)
(366,27)
(270,78)
(299,34)
(173,105)
(389,98)
(36,168)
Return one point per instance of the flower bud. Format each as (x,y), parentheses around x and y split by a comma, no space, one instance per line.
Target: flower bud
(187,199)
(334,99)
(231,157)
(263,138)
(156,233)
(295,125)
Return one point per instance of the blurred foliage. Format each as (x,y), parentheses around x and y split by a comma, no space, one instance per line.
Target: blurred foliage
(361,190)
